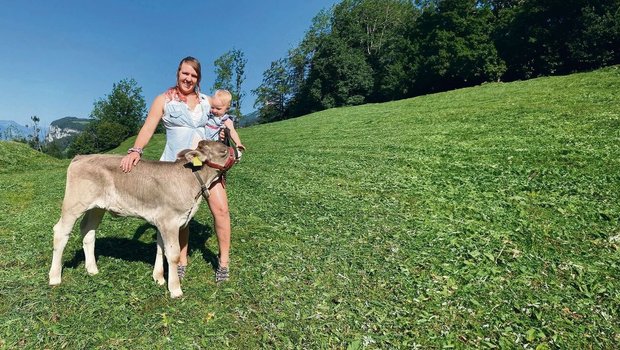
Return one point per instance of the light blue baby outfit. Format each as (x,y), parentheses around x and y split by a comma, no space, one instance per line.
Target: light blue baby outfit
(214,125)
(182,129)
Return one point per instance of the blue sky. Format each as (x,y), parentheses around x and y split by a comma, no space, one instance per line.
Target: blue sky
(59,57)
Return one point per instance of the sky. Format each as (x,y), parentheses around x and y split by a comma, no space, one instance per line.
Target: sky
(59,57)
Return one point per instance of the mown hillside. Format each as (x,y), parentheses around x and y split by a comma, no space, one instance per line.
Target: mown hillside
(17,157)
(482,217)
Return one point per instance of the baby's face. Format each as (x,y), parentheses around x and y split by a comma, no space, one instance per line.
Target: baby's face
(218,108)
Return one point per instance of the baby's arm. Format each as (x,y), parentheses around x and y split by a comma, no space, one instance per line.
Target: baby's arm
(233,133)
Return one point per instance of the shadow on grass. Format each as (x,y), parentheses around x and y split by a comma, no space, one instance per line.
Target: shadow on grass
(133,249)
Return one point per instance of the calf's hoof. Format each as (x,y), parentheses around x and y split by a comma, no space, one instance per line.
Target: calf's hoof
(54,281)
(176,294)
(92,271)
(159,279)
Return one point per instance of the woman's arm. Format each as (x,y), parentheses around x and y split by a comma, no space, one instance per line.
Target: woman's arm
(145,134)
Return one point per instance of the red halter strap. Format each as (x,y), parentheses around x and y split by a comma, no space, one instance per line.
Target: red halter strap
(230,161)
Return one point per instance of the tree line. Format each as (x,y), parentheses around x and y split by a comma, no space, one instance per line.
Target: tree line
(368,51)
(363,51)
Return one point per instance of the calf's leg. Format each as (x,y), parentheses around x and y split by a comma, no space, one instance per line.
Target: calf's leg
(62,231)
(170,238)
(89,224)
(158,269)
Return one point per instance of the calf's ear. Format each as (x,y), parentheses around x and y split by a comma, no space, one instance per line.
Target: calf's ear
(181,155)
(193,156)
(189,156)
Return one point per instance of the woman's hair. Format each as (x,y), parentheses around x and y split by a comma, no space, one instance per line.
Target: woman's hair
(194,63)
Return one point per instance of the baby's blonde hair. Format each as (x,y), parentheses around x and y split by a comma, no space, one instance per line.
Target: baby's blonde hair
(224,95)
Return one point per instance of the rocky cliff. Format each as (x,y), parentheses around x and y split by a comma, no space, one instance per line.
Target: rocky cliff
(67,127)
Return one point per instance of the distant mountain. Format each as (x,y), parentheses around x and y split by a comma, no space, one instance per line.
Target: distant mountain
(66,128)
(57,135)
(10,130)
(249,119)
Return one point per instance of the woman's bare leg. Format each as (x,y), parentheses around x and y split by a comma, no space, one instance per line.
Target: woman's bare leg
(218,203)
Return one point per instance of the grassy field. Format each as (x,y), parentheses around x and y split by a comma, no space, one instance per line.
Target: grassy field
(486,217)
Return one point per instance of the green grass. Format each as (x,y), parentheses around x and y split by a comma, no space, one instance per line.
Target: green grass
(486,217)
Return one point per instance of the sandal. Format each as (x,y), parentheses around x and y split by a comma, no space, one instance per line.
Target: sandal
(222,273)
(181,271)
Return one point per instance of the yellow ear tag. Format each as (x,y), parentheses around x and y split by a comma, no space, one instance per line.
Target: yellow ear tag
(196,161)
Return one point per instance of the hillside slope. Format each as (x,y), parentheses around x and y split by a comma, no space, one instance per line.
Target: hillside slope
(18,157)
(487,216)
(478,218)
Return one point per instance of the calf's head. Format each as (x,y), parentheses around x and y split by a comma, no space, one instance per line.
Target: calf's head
(211,153)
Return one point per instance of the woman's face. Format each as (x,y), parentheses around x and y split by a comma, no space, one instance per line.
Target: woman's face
(187,79)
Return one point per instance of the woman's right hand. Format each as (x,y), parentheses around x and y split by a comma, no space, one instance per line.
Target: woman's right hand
(128,161)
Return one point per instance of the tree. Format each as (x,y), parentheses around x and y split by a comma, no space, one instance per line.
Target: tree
(35,138)
(53,149)
(299,65)
(456,46)
(380,30)
(370,24)
(230,75)
(223,72)
(11,132)
(341,75)
(557,37)
(598,39)
(124,106)
(358,52)
(373,51)
(273,94)
(238,94)
(84,143)
(114,119)
(110,134)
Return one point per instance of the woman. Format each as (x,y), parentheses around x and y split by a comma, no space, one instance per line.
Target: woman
(184,111)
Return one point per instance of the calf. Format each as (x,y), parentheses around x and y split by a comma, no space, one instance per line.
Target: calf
(165,194)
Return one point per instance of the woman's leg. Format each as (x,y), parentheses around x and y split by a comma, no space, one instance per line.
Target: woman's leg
(218,203)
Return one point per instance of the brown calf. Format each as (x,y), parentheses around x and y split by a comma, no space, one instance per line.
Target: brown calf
(165,194)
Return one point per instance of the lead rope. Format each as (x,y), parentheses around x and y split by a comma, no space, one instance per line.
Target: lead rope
(227,139)
(204,191)
(228,142)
